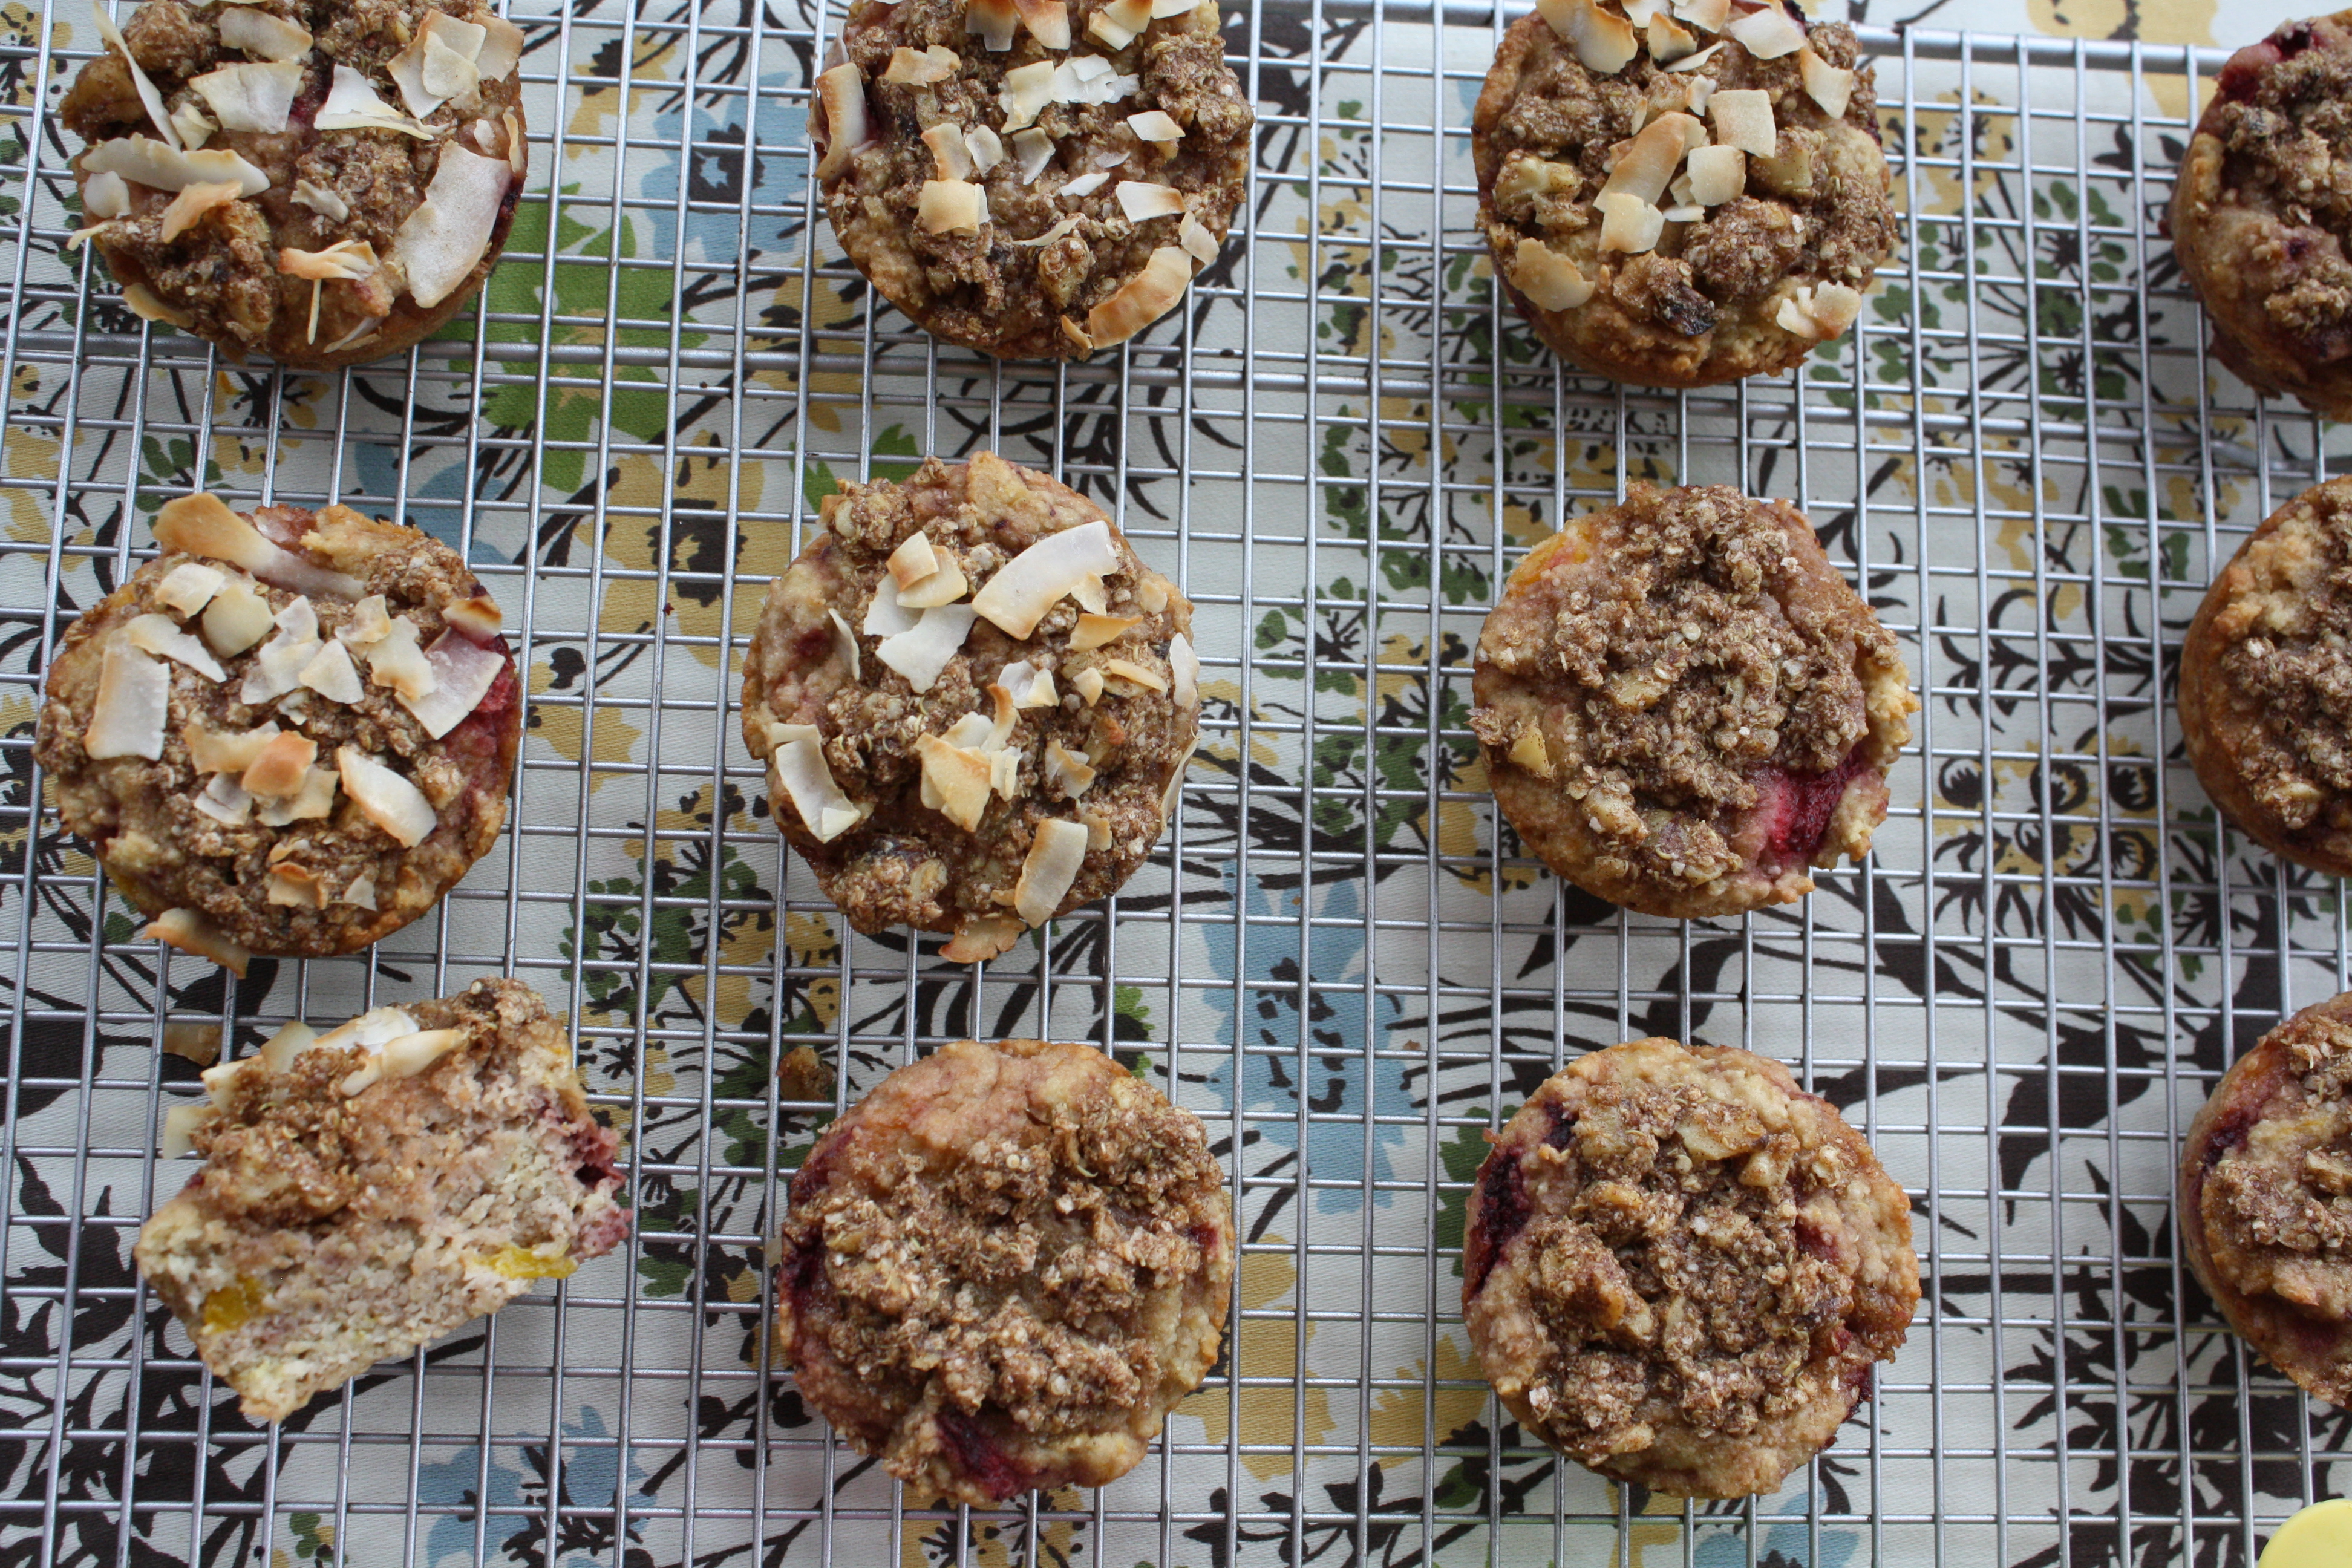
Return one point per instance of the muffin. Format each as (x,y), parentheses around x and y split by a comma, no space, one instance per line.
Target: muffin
(2260,222)
(1035,179)
(1004,1268)
(289,734)
(2266,1198)
(371,1189)
(975,704)
(323,182)
(1686,201)
(1680,1269)
(1683,706)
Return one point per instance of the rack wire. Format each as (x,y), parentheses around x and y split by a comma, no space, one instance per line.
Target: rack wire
(1337,958)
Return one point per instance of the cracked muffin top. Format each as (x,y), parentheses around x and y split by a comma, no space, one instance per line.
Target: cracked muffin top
(1035,179)
(324,182)
(1681,194)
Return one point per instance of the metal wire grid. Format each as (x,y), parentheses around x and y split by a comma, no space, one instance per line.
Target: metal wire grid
(1336,959)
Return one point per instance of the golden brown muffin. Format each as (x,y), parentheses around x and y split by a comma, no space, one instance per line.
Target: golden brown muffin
(2265,1209)
(1680,1268)
(1684,707)
(371,1189)
(975,702)
(1034,180)
(324,182)
(1690,200)
(1004,1268)
(288,735)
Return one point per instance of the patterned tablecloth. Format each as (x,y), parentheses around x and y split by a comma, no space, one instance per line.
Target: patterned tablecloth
(1337,958)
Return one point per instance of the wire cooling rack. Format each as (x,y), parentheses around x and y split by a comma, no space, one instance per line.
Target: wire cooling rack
(1337,958)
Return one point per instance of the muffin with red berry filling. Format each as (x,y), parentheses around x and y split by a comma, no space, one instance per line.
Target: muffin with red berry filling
(1685,708)
(324,182)
(1679,1269)
(1004,1268)
(289,734)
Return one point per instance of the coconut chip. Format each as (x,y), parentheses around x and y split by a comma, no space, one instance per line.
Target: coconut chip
(352,105)
(947,205)
(1085,185)
(956,780)
(914,560)
(189,586)
(1820,313)
(226,751)
(162,636)
(1628,223)
(1142,299)
(1030,686)
(249,96)
(1197,239)
(920,67)
(263,36)
(1048,21)
(1093,631)
(1551,281)
(1528,752)
(1066,771)
(886,619)
(478,617)
(1184,669)
(438,63)
(1025,587)
(1698,61)
(1717,174)
(322,201)
(501,48)
(294,887)
(944,586)
(1707,16)
(1155,125)
(1767,34)
(1173,794)
(105,195)
(1669,41)
(191,932)
(1646,165)
(921,652)
(145,161)
(1089,684)
(203,524)
(463,671)
(282,766)
(235,619)
(188,208)
(1062,226)
(111,35)
(1604,41)
(1830,86)
(361,893)
(226,800)
(1141,201)
(142,302)
(1035,150)
(194,126)
(367,625)
(1120,23)
(438,244)
(134,694)
(844,642)
(1055,856)
(1077,334)
(980,938)
(995,20)
(1133,673)
(333,676)
(1743,119)
(949,157)
(984,148)
(801,771)
(386,799)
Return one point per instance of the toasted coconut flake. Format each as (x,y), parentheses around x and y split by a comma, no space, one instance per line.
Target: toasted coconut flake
(1048,21)
(995,20)
(1640,12)
(189,586)
(984,148)
(1064,226)
(371,1030)
(105,195)
(162,636)
(1669,41)
(950,159)
(1707,16)
(971,730)
(368,623)
(386,799)
(1085,185)
(1172,794)
(1821,313)
(438,244)
(518,155)
(1089,684)
(947,205)
(194,126)
(412,1054)
(1628,223)
(1133,673)
(226,800)
(282,766)
(501,48)
(361,893)
(1155,125)
(1184,669)
(1197,239)
(111,35)
(333,676)
(463,672)
(1528,752)
(1097,830)
(914,560)
(315,799)
(250,97)
(845,643)
(1078,335)
(1548,278)
(1646,165)
(1152,594)
(295,887)
(143,303)
(226,751)
(1101,26)
(1030,686)
(1717,174)
(478,617)
(956,780)
(980,938)
(1093,631)
(278,1051)
(346,260)
(352,105)
(944,586)
(1161,10)
(1091,596)
(145,161)
(1024,95)
(1604,41)
(236,618)
(264,37)
(1142,299)
(1035,150)
(191,932)
(134,694)
(919,68)
(399,663)
(1743,119)
(841,91)
(885,618)
(1830,86)
(1698,61)
(1004,714)
(1121,22)
(1056,855)
(180,1125)
(1767,34)
(203,524)
(437,64)
(1066,771)
(1017,597)
(1142,200)
(802,773)
(187,209)
(920,654)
